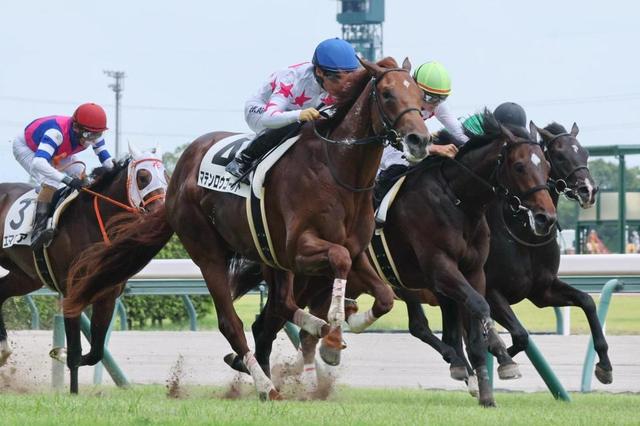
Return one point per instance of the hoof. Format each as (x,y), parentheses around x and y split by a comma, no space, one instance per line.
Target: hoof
(329,355)
(472,386)
(272,395)
(4,356)
(459,373)
(324,330)
(604,376)
(235,362)
(59,354)
(488,403)
(350,307)
(509,372)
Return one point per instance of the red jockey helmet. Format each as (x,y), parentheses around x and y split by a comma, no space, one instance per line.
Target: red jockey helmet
(91,117)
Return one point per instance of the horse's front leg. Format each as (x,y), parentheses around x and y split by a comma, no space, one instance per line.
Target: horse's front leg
(560,293)
(315,255)
(368,279)
(101,316)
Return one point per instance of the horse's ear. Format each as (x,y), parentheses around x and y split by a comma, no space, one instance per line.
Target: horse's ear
(510,136)
(533,130)
(135,152)
(406,64)
(574,130)
(157,151)
(545,133)
(372,68)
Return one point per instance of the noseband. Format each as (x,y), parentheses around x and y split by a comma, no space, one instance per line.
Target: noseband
(515,200)
(391,135)
(561,185)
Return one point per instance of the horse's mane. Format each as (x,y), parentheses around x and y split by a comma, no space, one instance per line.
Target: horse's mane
(492,129)
(555,128)
(355,84)
(101,177)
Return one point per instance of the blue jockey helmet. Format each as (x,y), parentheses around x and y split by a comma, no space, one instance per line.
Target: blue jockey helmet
(335,55)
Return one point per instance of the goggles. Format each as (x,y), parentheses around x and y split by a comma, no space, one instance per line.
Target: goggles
(434,99)
(90,136)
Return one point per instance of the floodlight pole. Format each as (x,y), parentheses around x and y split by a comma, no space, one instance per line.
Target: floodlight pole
(118,87)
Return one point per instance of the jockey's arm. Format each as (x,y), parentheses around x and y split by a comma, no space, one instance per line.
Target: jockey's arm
(453,125)
(47,147)
(277,112)
(100,149)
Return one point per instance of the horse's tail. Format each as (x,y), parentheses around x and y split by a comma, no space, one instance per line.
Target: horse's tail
(103,266)
(244,275)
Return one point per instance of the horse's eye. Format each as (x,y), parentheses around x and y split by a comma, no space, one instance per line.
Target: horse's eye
(143,179)
(386,95)
(519,168)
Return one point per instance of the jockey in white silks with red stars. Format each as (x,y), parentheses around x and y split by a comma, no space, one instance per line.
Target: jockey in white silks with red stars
(291,96)
(47,151)
(434,80)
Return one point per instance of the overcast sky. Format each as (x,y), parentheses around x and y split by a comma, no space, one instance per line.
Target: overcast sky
(190,65)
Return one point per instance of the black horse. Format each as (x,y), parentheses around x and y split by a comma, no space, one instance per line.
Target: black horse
(521,266)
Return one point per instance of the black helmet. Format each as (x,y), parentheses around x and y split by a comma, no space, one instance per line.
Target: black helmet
(511,113)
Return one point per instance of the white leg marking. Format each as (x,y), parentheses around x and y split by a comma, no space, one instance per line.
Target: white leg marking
(360,321)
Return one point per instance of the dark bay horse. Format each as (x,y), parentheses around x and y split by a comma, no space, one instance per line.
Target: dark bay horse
(116,197)
(439,237)
(318,205)
(522,266)
(531,263)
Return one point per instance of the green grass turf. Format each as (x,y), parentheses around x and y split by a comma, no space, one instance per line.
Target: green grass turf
(623,316)
(348,406)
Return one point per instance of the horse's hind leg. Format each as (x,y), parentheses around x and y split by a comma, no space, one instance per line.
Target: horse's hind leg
(16,283)
(74,350)
(206,248)
(419,328)
(562,294)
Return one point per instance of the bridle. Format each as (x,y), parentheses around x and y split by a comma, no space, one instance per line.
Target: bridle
(134,205)
(514,199)
(389,137)
(561,185)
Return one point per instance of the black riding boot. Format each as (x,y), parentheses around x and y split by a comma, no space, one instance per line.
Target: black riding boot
(385,181)
(41,236)
(259,147)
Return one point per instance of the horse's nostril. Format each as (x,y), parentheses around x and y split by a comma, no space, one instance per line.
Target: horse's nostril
(541,219)
(413,139)
(583,190)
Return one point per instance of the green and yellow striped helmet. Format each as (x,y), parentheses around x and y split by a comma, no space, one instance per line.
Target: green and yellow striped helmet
(433,77)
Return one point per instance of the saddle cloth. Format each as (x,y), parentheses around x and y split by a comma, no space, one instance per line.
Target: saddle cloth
(18,224)
(212,174)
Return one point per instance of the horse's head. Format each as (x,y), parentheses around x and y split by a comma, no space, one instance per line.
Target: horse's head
(147,178)
(525,171)
(397,111)
(569,163)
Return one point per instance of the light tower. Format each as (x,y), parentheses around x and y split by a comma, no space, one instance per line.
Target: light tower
(362,25)
(118,87)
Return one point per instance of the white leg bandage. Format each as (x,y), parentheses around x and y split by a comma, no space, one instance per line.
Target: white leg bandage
(309,323)
(336,310)
(262,382)
(360,321)
(309,378)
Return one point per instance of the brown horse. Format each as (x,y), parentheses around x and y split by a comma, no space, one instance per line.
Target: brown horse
(122,194)
(318,205)
(439,238)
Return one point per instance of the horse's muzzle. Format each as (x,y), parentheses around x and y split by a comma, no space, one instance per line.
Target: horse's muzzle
(542,223)
(416,146)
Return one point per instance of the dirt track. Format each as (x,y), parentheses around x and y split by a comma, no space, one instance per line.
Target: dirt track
(372,360)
